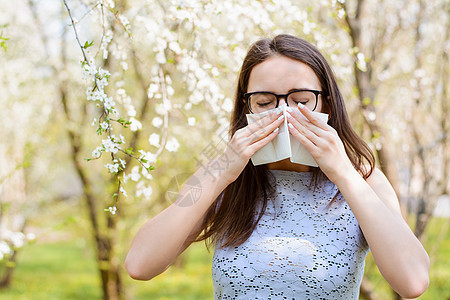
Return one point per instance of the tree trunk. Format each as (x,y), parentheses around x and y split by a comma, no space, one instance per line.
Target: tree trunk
(5,281)
(109,274)
(366,92)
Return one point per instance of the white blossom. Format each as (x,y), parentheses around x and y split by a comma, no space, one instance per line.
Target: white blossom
(154,139)
(124,20)
(4,249)
(160,58)
(109,103)
(361,63)
(112,209)
(130,110)
(122,190)
(150,157)
(122,163)
(170,90)
(109,3)
(104,125)
(16,238)
(146,174)
(175,47)
(89,72)
(135,175)
(112,168)
(105,41)
(102,77)
(172,145)
(157,122)
(110,146)
(152,89)
(135,124)
(30,236)
(142,190)
(163,108)
(227,105)
(191,121)
(97,152)
(124,65)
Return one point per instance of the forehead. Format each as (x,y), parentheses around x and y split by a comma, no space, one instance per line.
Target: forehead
(279,74)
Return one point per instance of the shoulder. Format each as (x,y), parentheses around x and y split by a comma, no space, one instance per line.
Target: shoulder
(384,190)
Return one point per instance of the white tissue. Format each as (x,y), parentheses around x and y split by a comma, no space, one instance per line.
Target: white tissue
(283,145)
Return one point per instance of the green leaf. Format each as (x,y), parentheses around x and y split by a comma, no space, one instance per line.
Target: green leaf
(366,101)
(3,45)
(87,44)
(129,150)
(376,135)
(88,159)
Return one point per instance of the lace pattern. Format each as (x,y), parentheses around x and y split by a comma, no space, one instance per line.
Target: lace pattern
(302,248)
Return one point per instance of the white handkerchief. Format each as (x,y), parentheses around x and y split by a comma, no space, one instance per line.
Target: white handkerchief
(283,145)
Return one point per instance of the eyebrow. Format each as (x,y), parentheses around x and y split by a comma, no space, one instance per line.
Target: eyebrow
(304,88)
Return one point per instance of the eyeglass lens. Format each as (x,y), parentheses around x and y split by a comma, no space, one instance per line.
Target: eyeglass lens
(261,102)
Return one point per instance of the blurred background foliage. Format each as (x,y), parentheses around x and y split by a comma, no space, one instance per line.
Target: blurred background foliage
(173,68)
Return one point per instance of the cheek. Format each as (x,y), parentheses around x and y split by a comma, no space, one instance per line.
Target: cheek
(322,106)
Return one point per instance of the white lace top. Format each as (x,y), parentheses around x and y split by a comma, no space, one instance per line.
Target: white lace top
(300,249)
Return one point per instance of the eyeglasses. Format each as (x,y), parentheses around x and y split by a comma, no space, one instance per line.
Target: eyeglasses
(259,102)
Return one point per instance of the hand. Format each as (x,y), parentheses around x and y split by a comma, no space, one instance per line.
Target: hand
(322,142)
(249,139)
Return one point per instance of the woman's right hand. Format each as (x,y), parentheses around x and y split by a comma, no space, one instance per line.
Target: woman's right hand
(247,140)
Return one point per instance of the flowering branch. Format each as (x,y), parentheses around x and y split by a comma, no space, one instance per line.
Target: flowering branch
(100,79)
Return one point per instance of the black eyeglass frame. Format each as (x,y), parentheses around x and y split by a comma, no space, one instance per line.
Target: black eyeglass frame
(278,96)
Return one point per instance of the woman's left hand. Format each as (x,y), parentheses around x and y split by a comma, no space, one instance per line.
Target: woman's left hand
(322,142)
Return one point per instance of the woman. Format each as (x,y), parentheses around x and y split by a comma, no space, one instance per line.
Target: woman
(284,230)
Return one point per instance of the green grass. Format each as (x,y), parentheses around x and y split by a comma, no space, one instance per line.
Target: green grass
(193,281)
(437,244)
(67,270)
(60,270)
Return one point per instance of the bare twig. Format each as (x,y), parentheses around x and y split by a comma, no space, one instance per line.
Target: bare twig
(76,33)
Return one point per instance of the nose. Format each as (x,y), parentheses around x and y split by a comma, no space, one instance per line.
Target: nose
(282,101)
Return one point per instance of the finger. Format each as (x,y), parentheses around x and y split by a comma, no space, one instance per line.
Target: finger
(296,117)
(311,117)
(264,131)
(309,130)
(262,142)
(263,122)
(305,141)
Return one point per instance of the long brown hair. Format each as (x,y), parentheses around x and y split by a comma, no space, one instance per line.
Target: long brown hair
(236,212)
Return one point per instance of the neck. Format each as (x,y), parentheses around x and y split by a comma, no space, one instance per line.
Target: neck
(287,165)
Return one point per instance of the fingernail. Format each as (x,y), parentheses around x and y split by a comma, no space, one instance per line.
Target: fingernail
(280,117)
(289,109)
(300,105)
(288,115)
(290,125)
(276,130)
